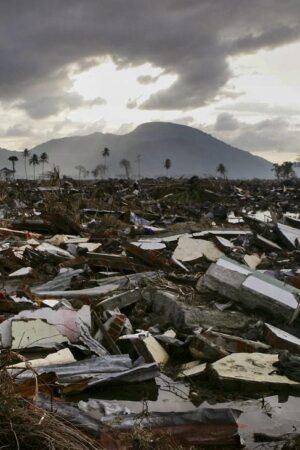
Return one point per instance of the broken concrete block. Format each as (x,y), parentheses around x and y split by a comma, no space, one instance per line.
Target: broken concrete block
(170,310)
(233,265)
(23,272)
(146,346)
(190,250)
(159,355)
(30,333)
(145,245)
(278,338)
(204,349)
(290,236)
(225,281)
(260,291)
(191,369)
(266,244)
(223,244)
(253,290)
(292,219)
(253,370)
(235,344)
(252,260)
(121,300)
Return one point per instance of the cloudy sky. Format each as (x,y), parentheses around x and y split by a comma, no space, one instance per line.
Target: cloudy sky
(228,67)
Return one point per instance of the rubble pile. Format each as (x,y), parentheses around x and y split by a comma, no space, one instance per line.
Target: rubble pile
(109,288)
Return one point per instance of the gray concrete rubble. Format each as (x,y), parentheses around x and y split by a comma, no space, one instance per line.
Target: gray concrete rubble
(253,371)
(253,290)
(122,302)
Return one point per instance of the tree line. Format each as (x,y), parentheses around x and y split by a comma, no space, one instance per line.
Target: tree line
(102,170)
(34,160)
(282,171)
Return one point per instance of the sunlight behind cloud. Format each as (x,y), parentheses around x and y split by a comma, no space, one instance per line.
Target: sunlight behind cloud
(121,90)
(268,76)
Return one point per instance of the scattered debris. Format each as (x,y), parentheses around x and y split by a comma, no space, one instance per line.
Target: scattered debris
(128,287)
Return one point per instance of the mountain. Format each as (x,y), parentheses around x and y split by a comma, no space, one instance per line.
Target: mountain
(191,151)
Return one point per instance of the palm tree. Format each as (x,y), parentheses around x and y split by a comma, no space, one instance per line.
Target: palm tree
(81,170)
(221,169)
(167,165)
(13,160)
(105,154)
(25,156)
(44,160)
(138,161)
(34,161)
(126,166)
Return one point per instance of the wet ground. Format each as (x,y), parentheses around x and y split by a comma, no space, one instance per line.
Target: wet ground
(273,415)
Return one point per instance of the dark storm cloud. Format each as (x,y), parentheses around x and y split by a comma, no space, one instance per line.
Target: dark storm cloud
(276,134)
(41,107)
(190,38)
(271,38)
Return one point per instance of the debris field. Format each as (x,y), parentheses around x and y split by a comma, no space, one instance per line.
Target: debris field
(116,298)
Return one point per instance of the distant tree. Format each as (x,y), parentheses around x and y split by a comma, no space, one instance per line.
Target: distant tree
(86,174)
(26,156)
(81,170)
(277,170)
(167,165)
(221,169)
(44,160)
(7,173)
(13,160)
(125,164)
(95,173)
(105,154)
(34,161)
(101,168)
(138,161)
(287,170)
(284,171)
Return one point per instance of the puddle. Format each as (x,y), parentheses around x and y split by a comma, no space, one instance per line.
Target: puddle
(274,415)
(164,395)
